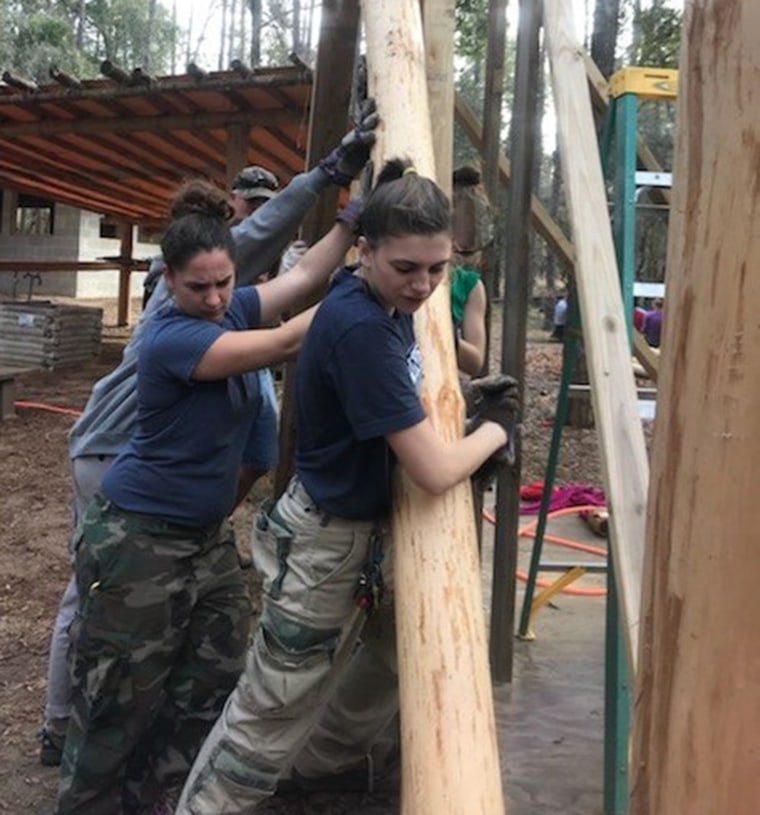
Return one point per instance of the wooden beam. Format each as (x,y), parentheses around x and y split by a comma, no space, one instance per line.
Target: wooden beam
(46,266)
(449,751)
(605,325)
(152,124)
(515,330)
(542,221)
(127,247)
(331,95)
(492,102)
(69,193)
(438,25)
(697,702)
(645,354)
(236,151)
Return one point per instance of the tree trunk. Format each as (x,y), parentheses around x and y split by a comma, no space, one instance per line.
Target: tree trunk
(698,701)
(146,60)
(297,26)
(81,20)
(450,760)
(255,7)
(223,36)
(604,36)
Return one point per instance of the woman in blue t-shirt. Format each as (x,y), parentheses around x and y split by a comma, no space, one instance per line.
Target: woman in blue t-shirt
(164,614)
(319,548)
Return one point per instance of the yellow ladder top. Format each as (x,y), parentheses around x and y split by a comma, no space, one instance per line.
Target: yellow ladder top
(653,83)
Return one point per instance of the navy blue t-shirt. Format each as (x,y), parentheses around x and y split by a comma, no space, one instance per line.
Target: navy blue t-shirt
(183,460)
(357,380)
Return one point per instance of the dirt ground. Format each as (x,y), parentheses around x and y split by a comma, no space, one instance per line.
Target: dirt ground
(34,568)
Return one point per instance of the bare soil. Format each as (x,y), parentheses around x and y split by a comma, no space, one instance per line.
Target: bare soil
(34,566)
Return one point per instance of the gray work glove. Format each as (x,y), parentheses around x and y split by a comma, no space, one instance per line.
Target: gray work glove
(349,157)
(495,398)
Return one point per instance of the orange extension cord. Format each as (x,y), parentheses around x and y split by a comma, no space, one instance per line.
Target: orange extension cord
(526,531)
(529,530)
(49,408)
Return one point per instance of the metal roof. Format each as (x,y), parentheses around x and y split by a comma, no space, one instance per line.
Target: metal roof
(120,147)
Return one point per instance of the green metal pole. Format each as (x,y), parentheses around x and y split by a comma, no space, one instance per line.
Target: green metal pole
(624,220)
(569,356)
(617,697)
(617,706)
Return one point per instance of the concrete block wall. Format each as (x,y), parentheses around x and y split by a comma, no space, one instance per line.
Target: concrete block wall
(63,244)
(76,237)
(92,246)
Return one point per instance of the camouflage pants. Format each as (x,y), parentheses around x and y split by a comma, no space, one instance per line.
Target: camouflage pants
(308,698)
(158,644)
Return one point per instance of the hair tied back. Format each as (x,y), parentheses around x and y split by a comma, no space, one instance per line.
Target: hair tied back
(410,170)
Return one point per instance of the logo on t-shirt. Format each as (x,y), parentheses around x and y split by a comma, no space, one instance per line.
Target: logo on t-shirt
(414,366)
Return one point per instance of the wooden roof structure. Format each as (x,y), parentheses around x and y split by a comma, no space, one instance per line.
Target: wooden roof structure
(121,145)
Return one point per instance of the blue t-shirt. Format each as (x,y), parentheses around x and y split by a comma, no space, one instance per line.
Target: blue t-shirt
(183,460)
(357,380)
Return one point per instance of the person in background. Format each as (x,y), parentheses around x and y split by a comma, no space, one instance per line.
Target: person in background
(108,420)
(472,230)
(652,329)
(163,617)
(559,318)
(319,549)
(468,312)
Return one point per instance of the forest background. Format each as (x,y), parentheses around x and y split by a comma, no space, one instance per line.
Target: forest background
(164,36)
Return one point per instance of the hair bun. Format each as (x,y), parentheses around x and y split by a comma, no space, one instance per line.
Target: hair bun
(200,197)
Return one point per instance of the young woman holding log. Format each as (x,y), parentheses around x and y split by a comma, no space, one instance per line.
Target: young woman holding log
(159,639)
(319,548)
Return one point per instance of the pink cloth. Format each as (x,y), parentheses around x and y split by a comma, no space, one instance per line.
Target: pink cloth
(571,495)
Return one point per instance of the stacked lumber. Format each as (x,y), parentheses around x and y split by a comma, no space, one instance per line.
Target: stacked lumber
(48,335)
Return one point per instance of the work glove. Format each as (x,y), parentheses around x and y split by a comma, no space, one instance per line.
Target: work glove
(349,157)
(494,398)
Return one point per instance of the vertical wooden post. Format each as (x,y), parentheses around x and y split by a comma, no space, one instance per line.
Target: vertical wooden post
(697,714)
(450,759)
(438,24)
(497,33)
(328,122)
(238,136)
(514,329)
(125,273)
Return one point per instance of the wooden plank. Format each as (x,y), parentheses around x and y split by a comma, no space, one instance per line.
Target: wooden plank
(542,221)
(605,326)
(449,751)
(697,702)
(649,359)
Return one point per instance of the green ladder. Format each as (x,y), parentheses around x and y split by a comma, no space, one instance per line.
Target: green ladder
(627,88)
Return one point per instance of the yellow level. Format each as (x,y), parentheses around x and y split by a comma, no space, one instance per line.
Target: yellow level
(645,82)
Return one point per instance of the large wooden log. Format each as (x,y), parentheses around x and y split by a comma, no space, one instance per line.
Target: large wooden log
(605,326)
(450,760)
(698,704)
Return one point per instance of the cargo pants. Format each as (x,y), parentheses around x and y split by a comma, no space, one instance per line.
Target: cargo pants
(307,693)
(158,644)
